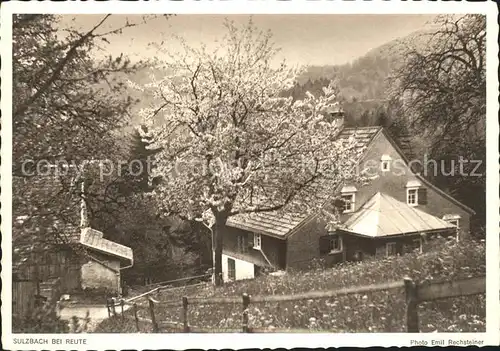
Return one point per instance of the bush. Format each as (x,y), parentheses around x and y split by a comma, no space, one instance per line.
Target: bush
(43,319)
(78,325)
(126,325)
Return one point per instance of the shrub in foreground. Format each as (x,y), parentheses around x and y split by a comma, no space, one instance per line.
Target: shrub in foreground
(43,319)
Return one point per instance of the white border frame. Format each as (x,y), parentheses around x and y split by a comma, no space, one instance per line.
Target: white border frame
(181,341)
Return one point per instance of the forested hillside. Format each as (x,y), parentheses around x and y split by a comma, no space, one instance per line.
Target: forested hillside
(363,84)
(424,97)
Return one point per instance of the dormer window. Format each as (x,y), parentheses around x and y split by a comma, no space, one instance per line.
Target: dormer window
(348,194)
(349,200)
(412,196)
(385,163)
(415,193)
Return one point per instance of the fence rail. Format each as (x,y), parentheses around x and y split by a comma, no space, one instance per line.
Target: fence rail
(181,280)
(415,294)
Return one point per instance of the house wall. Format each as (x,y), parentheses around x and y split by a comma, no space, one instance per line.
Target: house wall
(272,248)
(58,263)
(368,246)
(393,183)
(95,275)
(243,269)
(303,245)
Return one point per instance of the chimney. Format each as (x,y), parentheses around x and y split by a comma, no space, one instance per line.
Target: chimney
(336,116)
(84,216)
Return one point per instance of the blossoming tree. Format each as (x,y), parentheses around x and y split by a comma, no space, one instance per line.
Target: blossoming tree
(233,144)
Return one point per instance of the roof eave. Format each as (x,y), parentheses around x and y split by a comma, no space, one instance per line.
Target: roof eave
(253,230)
(430,231)
(128,260)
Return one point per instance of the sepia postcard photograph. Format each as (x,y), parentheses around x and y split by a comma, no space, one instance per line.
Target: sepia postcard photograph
(253,173)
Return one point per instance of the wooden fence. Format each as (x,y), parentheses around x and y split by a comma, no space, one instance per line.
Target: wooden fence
(23,297)
(28,294)
(415,294)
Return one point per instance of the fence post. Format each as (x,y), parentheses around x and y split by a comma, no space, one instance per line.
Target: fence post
(152,312)
(411,306)
(122,305)
(185,314)
(108,307)
(113,307)
(244,319)
(136,318)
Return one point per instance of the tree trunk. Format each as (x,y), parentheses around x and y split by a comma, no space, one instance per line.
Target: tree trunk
(218,232)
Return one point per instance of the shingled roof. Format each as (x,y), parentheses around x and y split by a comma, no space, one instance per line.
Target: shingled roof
(362,135)
(275,224)
(92,239)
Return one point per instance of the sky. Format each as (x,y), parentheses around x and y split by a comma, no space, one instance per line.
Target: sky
(303,39)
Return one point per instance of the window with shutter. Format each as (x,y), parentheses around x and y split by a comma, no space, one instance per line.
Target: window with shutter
(412,196)
(422,196)
(349,201)
(249,240)
(324,245)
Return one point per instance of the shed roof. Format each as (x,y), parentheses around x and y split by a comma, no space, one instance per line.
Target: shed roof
(383,215)
(93,239)
(275,224)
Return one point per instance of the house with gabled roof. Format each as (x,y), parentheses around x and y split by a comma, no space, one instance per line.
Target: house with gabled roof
(57,242)
(391,214)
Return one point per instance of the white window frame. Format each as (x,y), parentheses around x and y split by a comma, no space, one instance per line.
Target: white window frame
(408,196)
(341,245)
(229,259)
(352,202)
(257,241)
(385,164)
(387,245)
